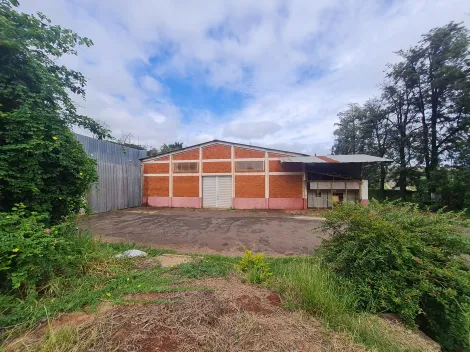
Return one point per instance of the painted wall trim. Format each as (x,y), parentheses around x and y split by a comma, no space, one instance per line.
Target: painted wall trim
(156,162)
(285,173)
(152,175)
(185,161)
(249,173)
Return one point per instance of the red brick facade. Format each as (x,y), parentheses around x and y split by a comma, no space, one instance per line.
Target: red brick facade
(185,186)
(285,186)
(250,191)
(156,186)
(244,153)
(249,186)
(217,151)
(217,167)
(189,155)
(156,168)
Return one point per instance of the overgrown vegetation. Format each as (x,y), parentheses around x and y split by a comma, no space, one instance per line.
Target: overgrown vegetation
(41,164)
(402,260)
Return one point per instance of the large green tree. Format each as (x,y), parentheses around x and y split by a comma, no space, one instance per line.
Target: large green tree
(41,164)
(439,75)
(424,118)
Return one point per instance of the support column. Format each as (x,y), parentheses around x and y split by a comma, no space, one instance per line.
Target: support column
(200,176)
(170,190)
(304,187)
(266,180)
(232,162)
(364,192)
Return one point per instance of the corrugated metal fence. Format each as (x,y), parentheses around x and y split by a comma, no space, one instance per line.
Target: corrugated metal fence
(119,173)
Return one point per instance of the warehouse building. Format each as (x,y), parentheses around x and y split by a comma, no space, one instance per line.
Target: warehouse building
(220,174)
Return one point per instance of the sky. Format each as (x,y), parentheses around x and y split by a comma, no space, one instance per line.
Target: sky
(268,73)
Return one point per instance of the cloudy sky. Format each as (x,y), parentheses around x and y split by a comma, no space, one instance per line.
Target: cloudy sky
(270,73)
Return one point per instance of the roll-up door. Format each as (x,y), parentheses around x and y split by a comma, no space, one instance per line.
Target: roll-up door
(217,191)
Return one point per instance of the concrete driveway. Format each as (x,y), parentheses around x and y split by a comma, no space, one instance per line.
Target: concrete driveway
(210,231)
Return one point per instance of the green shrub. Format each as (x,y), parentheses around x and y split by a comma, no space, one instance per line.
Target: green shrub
(31,254)
(405,261)
(254,266)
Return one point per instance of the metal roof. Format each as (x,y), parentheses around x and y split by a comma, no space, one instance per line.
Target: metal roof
(332,159)
(215,141)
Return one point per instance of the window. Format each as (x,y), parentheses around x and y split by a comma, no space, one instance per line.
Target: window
(185,167)
(317,194)
(249,165)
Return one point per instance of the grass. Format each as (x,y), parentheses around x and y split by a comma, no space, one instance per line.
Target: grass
(305,285)
(301,281)
(104,280)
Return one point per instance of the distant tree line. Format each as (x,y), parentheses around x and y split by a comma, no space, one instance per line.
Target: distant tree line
(420,120)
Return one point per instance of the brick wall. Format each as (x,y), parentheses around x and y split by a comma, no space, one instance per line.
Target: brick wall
(249,186)
(156,168)
(186,186)
(163,158)
(276,166)
(217,151)
(189,155)
(276,155)
(156,186)
(285,186)
(217,167)
(242,153)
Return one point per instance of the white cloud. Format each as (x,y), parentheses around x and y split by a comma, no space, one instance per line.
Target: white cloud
(299,61)
(250,130)
(151,84)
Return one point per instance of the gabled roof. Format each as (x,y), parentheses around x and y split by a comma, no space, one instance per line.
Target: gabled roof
(218,141)
(333,159)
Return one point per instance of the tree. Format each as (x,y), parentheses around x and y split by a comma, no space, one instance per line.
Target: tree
(365,129)
(441,73)
(376,127)
(399,96)
(165,148)
(41,164)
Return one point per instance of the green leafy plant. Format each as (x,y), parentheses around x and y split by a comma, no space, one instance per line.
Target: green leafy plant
(31,253)
(41,163)
(255,267)
(405,261)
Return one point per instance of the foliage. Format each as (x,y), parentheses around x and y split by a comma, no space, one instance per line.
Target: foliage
(304,283)
(165,148)
(422,118)
(255,267)
(405,261)
(209,266)
(31,254)
(41,165)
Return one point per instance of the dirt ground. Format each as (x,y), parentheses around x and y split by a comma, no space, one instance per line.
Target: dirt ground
(211,231)
(216,315)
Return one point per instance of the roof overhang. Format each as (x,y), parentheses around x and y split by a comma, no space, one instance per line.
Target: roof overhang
(334,159)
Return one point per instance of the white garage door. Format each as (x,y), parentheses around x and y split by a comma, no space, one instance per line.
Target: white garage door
(217,191)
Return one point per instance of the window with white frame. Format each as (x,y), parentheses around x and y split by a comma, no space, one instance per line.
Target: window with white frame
(185,167)
(251,165)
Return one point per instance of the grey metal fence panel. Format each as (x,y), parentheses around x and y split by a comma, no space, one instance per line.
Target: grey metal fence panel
(119,173)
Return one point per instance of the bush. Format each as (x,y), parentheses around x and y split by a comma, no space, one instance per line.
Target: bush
(255,267)
(31,254)
(405,261)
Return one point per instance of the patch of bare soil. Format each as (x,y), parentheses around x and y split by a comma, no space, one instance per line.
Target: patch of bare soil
(173,259)
(225,316)
(220,315)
